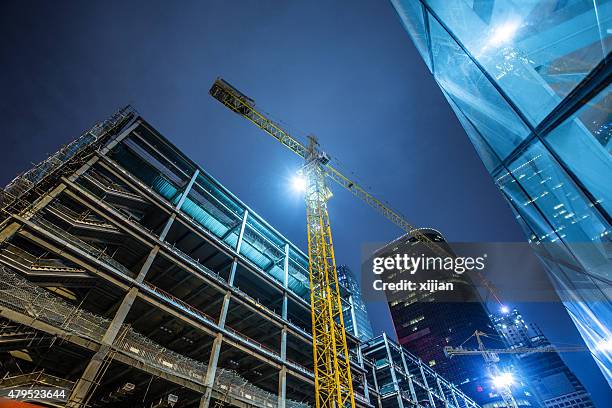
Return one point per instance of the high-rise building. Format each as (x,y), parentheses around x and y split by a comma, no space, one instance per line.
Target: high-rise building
(530,83)
(549,377)
(356,319)
(131,278)
(427,322)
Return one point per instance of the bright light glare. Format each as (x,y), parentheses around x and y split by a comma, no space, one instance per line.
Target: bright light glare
(504,309)
(605,345)
(503,380)
(298,183)
(504,33)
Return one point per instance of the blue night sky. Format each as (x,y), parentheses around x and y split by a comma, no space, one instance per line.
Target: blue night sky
(344,71)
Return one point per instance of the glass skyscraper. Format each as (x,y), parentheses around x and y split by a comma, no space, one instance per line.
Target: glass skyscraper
(530,83)
(356,317)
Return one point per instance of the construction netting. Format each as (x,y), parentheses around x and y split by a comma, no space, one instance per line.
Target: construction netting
(24,297)
(23,183)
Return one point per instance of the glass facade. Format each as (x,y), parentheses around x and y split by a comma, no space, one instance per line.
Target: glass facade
(529,82)
(356,319)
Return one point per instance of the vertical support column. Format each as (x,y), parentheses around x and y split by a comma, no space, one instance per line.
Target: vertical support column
(211,371)
(441,391)
(187,189)
(366,391)
(376,385)
(398,391)
(283,350)
(224,309)
(353,316)
(282,387)
(83,387)
(232,274)
(409,375)
(209,380)
(179,204)
(282,375)
(80,392)
(429,394)
(454,393)
(284,312)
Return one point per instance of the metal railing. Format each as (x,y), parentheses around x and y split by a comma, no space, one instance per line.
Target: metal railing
(21,296)
(23,183)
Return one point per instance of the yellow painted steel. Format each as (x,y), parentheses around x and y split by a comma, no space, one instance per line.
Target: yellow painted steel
(332,371)
(333,382)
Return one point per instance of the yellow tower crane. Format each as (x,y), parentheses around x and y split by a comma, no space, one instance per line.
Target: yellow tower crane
(333,383)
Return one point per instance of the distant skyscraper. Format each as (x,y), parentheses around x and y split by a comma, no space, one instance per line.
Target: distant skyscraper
(358,322)
(553,382)
(427,322)
(530,83)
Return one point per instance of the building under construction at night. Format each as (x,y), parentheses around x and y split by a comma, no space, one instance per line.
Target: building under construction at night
(129,277)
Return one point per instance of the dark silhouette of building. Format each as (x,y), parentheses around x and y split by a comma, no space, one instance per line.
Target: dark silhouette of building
(427,322)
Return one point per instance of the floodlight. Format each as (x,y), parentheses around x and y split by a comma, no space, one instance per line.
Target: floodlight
(503,380)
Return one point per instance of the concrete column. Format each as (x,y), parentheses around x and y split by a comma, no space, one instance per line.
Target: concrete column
(284,311)
(283,350)
(224,309)
(232,274)
(282,387)
(79,394)
(286,268)
(211,371)
(164,232)
(147,264)
(214,354)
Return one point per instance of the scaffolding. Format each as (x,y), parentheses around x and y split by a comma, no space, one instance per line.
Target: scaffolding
(21,296)
(25,182)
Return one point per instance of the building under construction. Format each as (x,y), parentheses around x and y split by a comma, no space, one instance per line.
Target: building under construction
(129,277)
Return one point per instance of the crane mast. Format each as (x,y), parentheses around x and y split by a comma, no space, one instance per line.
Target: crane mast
(333,383)
(332,372)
